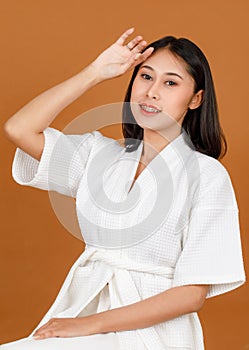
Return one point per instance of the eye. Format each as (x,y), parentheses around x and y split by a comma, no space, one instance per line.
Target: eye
(170,83)
(146,76)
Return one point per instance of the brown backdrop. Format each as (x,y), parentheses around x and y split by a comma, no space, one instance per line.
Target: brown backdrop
(45,42)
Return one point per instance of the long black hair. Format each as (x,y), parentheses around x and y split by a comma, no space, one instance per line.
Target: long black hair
(201,124)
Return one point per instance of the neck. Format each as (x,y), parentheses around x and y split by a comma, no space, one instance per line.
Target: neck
(155,141)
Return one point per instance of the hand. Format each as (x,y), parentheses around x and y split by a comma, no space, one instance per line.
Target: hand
(67,327)
(119,58)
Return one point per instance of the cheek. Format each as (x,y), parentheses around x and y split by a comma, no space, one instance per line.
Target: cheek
(138,89)
(134,92)
(182,100)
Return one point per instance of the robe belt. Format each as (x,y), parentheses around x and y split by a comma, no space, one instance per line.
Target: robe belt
(116,260)
(127,292)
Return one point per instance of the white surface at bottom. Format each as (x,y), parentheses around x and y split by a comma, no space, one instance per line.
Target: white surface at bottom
(108,341)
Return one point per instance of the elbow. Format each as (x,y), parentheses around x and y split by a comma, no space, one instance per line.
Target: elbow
(10,131)
(199,297)
(14,130)
(198,305)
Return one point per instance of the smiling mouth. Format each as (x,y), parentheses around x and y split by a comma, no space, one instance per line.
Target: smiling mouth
(149,109)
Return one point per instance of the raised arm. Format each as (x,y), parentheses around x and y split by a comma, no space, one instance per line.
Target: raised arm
(25,128)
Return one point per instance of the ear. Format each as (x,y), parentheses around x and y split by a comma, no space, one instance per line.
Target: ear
(196,100)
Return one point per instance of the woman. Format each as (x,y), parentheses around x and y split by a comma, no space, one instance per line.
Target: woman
(161,235)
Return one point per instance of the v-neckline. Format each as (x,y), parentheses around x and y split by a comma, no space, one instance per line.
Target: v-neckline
(137,155)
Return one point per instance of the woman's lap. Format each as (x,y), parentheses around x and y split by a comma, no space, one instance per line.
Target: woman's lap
(107,341)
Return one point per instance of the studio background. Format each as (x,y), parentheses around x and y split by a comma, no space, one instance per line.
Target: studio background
(45,42)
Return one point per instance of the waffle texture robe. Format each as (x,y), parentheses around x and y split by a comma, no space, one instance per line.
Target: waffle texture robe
(177,225)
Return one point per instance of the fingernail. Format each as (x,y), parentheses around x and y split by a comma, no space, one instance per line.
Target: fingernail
(36,336)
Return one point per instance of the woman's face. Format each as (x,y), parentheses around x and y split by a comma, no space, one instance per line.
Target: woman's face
(163,91)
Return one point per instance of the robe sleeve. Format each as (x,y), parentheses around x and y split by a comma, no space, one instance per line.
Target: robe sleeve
(61,165)
(212,251)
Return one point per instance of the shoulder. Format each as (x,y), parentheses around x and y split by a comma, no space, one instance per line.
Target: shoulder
(215,183)
(93,138)
(102,140)
(210,167)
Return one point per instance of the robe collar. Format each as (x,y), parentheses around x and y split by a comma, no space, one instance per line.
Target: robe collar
(176,150)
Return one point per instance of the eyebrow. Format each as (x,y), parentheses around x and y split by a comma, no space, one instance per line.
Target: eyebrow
(166,73)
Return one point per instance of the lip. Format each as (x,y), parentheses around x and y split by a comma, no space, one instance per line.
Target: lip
(150,106)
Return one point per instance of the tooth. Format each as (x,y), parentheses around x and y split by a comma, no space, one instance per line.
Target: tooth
(150,109)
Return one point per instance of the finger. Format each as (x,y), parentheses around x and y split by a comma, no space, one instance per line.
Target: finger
(38,331)
(45,326)
(146,54)
(48,334)
(43,332)
(140,57)
(124,36)
(133,43)
(137,56)
(140,46)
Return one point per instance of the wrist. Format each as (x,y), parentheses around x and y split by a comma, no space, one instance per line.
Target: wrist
(90,75)
(93,322)
(94,73)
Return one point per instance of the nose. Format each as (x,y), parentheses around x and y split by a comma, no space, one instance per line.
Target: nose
(153,91)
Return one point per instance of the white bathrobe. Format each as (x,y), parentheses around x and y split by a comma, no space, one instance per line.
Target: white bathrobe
(177,225)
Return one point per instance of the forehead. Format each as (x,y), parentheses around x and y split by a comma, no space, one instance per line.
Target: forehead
(163,61)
